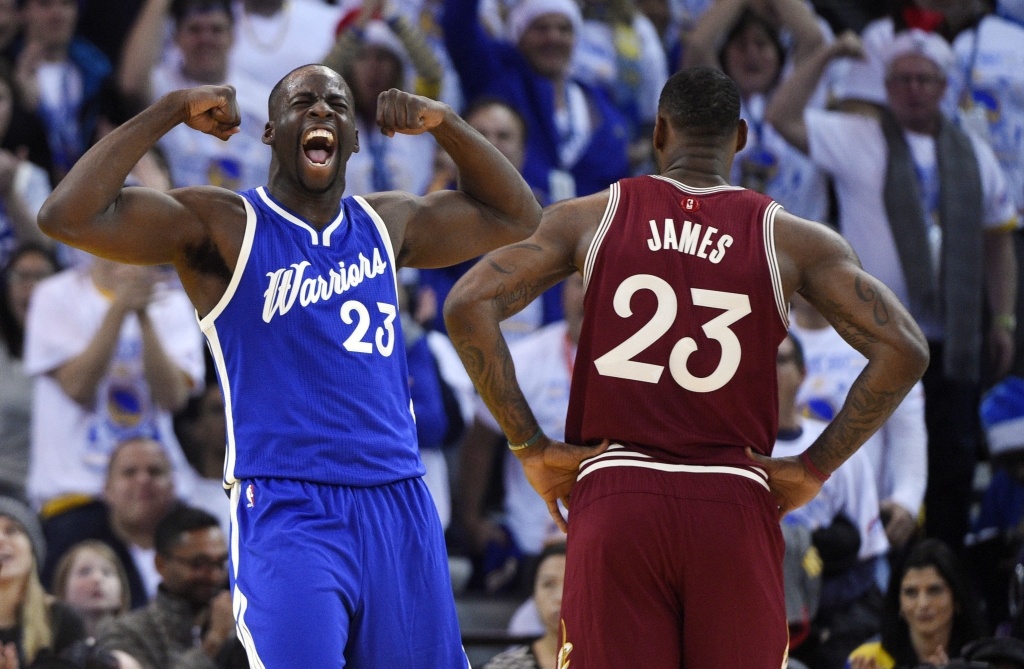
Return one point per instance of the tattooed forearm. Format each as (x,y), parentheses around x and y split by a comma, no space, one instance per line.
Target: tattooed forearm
(510,301)
(868,294)
(495,379)
(499,268)
(526,245)
(845,324)
(868,405)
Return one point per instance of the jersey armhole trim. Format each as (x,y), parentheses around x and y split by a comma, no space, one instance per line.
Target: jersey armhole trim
(385,236)
(217,353)
(773,261)
(614,192)
(207,321)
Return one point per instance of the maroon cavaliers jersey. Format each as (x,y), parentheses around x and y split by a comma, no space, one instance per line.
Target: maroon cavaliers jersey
(684,314)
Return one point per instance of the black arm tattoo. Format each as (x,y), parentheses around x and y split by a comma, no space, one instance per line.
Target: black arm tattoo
(498,387)
(868,294)
(867,407)
(510,301)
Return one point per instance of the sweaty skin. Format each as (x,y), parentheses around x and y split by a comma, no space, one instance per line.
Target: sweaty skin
(813,261)
(200,229)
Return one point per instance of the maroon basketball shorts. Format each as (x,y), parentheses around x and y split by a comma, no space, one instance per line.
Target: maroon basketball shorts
(670,570)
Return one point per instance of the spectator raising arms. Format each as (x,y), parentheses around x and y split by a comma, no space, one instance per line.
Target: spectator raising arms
(744,38)
(577,139)
(204,34)
(934,225)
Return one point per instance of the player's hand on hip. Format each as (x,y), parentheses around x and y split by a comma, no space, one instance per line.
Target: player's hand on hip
(551,467)
(791,483)
(407,114)
(213,110)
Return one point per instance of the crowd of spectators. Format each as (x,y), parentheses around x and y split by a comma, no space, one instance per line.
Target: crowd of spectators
(898,122)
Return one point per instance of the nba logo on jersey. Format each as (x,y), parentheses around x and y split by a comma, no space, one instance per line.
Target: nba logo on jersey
(690,204)
(250,495)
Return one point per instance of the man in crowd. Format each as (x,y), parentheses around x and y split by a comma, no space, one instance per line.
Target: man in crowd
(934,225)
(189,624)
(850,598)
(138,494)
(204,33)
(115,350)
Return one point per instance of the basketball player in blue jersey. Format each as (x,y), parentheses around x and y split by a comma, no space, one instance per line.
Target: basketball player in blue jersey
(337,555)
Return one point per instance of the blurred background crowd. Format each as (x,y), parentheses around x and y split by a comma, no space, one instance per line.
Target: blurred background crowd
(898,122)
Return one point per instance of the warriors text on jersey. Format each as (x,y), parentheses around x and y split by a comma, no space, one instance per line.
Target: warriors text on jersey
(309,351)
(684,313)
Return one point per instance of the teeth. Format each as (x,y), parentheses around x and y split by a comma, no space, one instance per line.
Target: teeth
(320,132)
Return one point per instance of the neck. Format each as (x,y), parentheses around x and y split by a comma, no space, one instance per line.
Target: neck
(210,76)
(926,645)
(699,169)
(92,620)
(546,650)
(923,126)
(55,52)
(133,535)
(789,417)
(318,209)
(263,7)
(12,591)
(560,96)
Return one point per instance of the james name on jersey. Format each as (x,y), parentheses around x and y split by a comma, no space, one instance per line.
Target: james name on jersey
(689,240)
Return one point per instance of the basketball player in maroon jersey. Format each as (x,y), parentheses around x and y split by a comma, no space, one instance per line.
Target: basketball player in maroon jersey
(675,553)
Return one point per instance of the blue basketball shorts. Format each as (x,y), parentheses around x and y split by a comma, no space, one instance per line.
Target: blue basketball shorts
(325,577)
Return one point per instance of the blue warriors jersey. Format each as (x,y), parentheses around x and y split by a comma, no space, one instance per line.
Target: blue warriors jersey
(309,351)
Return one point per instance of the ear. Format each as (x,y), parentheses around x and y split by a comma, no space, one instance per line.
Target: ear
(355,143)
(741,135)
(268,134)
(661,130)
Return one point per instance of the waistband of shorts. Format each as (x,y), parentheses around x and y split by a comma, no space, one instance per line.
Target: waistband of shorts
(618,455)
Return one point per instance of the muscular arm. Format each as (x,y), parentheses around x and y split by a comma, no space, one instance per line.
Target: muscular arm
(90,210)
(822,267)
(501,285)
(493,206)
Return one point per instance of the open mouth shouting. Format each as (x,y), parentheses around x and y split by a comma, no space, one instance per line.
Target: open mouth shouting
(318,145)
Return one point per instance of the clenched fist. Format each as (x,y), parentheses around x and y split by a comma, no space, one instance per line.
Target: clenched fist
(408,114)
(213,110)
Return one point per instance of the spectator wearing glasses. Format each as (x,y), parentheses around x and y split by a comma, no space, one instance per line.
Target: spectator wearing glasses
(925,206)
(191,556)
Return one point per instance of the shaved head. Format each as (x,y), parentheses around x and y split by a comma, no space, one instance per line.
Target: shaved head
(280,87)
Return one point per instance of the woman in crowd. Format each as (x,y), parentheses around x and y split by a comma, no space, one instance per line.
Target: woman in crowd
(91,580)
(33,625)
(29,264)
(547,594)
(747,39)
(930,613)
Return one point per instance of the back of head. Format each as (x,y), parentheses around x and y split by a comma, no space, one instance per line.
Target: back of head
(701,101)
(181,520)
